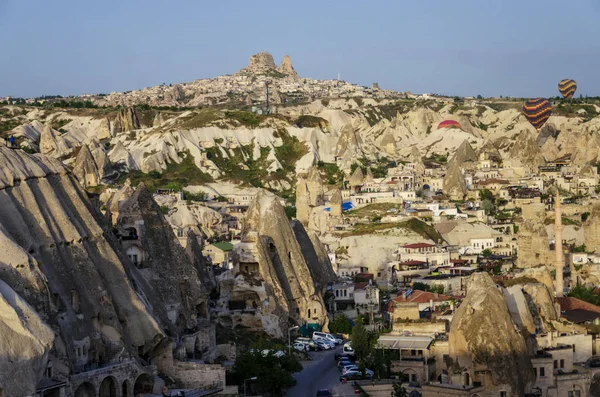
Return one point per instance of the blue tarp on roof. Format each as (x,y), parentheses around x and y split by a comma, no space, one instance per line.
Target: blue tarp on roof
(345,206)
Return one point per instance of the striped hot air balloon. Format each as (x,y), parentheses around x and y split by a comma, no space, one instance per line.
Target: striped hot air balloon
(537,111)
(567,88)
(449,124)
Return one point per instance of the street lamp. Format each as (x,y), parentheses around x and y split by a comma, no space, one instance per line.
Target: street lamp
(253,378)
(290,339)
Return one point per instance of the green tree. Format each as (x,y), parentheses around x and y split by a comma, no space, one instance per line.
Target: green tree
(437,289)
(486,194)
(341,324)
(399,391)
(360,340)
(420,286)
(486,253)
(274,374)
(583,293)
(584,216)
(487,206)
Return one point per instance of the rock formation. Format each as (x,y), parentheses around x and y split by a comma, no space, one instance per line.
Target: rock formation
(55,246)
(465,156)
(287,68)
(284,272)
(205,270)
(260,63)
(125,121)
(591,228)
(309,194)
(176,287)
(25,343)
(455,186)
(52,143)
(85,168)
(489,343)
(315,255)
(158,120)
(357,179)
(335,204)
(526,150)
(533,244)
(175,93)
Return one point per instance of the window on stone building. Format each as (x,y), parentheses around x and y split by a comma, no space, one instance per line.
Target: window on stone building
(337,293)
(502,393)
(345,292)
(562,363)
(308,313)
(542,372)
(555,364)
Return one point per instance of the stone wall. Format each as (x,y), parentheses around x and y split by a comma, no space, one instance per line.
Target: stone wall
(421,328)
(198,376)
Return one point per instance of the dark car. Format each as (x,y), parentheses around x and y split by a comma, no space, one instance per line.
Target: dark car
(342,356)
(343,362)
(323,393)
(354,375)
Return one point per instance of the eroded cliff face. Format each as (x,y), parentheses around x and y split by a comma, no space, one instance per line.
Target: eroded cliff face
(25,343)
(162,262)
(314,254)
(283,267)
(480,341)
(59,255)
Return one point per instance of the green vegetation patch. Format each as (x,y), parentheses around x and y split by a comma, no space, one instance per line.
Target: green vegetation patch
(240,166)
(331,173)
(371,210)
(200,119)
(175,177)
(308,121)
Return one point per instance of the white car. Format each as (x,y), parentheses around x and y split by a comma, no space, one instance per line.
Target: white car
(323,344)
(300,346)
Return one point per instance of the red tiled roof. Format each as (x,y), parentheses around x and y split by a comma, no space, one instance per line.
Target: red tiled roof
(418,245)
(360,285)
(569,303)
(419,296)
(493,180)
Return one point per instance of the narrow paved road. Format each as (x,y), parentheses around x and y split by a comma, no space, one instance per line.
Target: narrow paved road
(320,373)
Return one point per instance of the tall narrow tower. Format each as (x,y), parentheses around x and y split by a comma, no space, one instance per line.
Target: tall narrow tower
(558,248)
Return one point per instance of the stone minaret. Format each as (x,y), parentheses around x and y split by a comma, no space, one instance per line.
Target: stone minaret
(558,249)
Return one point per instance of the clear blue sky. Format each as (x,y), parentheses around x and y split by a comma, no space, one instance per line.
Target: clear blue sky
(460,47)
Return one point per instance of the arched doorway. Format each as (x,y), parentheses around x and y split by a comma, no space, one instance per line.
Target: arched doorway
(126,388)
(410,376)
(108,387)
(143,384)
(85,390)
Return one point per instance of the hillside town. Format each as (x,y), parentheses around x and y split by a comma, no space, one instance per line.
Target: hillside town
(268,233)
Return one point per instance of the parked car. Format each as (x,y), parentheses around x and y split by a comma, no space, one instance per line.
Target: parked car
(344,362)
(328,337)
(323,345)
(339,356)
(307,341)
(301,347)
(323,393)
(354,368)
(354,375)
